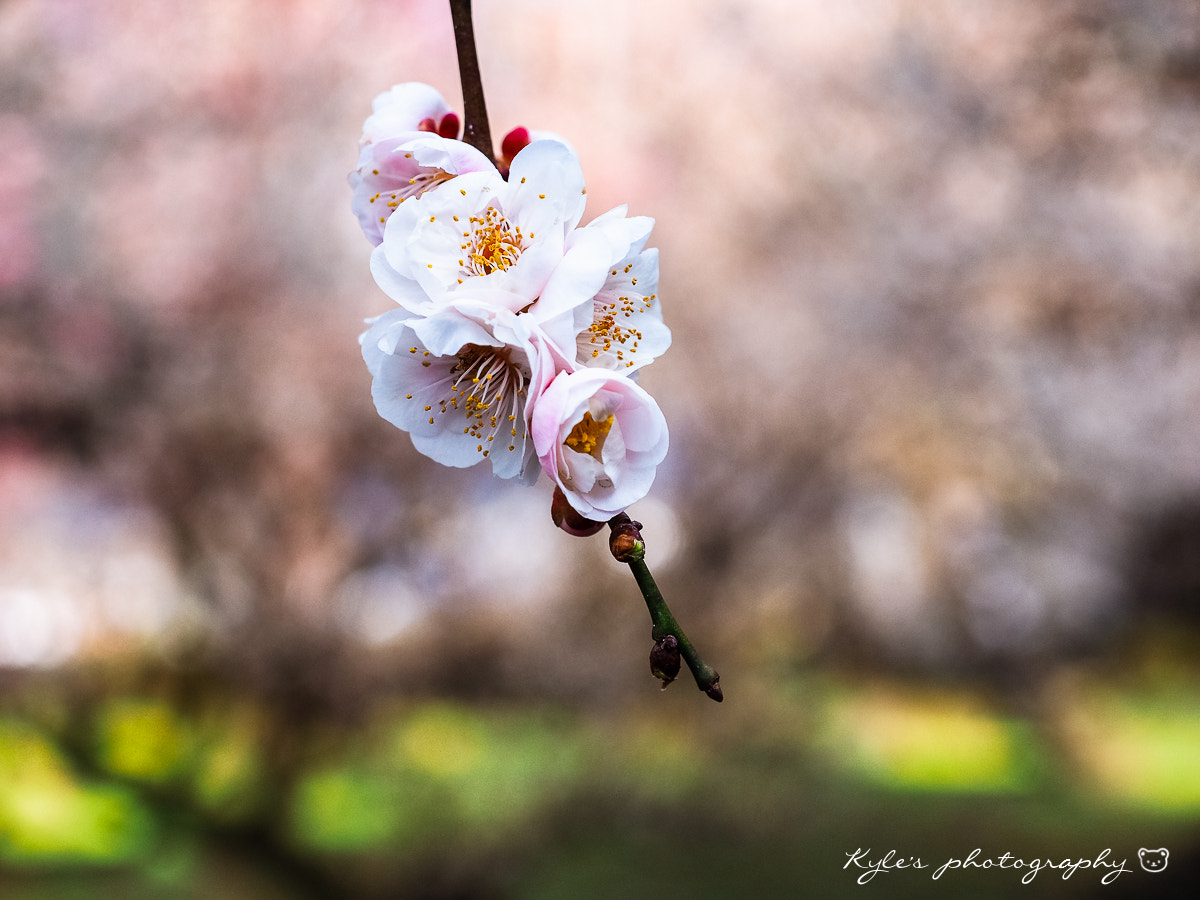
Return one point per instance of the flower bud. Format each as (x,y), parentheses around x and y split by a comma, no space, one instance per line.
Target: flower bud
(566,518)
(625,542)
(664,659)
(449,126)
(514,142)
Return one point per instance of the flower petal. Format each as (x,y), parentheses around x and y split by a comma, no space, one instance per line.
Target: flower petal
(630,444)
(546,188)
(402,109)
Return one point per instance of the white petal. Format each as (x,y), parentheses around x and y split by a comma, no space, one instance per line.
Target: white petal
(449,155)
(546,188)
(634,446)
(446,333)
(403,290)
(403,108)
(580,275)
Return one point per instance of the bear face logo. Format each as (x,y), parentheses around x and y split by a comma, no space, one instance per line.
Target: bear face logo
(1153,860)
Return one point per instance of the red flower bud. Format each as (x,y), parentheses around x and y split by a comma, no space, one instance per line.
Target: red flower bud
(448,127)
(514,142)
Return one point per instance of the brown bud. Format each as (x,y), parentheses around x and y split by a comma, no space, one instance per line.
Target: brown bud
(568,519)
(664,660)
(625,541)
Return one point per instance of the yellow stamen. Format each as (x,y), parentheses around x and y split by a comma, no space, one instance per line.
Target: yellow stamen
(588,435)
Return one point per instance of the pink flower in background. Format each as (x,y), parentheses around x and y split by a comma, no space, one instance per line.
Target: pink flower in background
(22,162)
(600,437)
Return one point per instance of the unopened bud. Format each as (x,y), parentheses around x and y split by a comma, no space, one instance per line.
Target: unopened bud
(567,518)
(664,659)
(514,142)
(448,127)
(625,541)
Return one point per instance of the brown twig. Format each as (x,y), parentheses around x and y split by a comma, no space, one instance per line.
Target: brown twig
(475,129)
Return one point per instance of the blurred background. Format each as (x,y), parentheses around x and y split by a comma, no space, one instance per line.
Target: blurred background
(932,505)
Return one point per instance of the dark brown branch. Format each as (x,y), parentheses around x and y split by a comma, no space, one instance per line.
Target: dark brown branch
(475,130)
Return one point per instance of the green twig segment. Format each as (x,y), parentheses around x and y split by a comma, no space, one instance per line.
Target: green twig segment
(662,621)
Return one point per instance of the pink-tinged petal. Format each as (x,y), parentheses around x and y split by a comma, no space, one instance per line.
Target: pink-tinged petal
(456,387)
(380,183)
(403,108)
(628,440)
(565,517)
(404,166)
(451,156)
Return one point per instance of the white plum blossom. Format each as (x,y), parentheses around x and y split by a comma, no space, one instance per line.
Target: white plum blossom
(458,382)
(625,331)
(494,241)
(408,146)
(519,334)
(396,169)
(600,437)
(404,108)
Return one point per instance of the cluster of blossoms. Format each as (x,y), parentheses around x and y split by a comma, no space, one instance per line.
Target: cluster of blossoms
(518,334)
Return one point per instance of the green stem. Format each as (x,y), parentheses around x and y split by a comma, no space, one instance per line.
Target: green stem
(663,622)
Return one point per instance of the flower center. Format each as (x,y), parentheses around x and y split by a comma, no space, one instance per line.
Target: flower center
(492,243)
(424,179)
(609,333)
(487,389)
(588,435)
